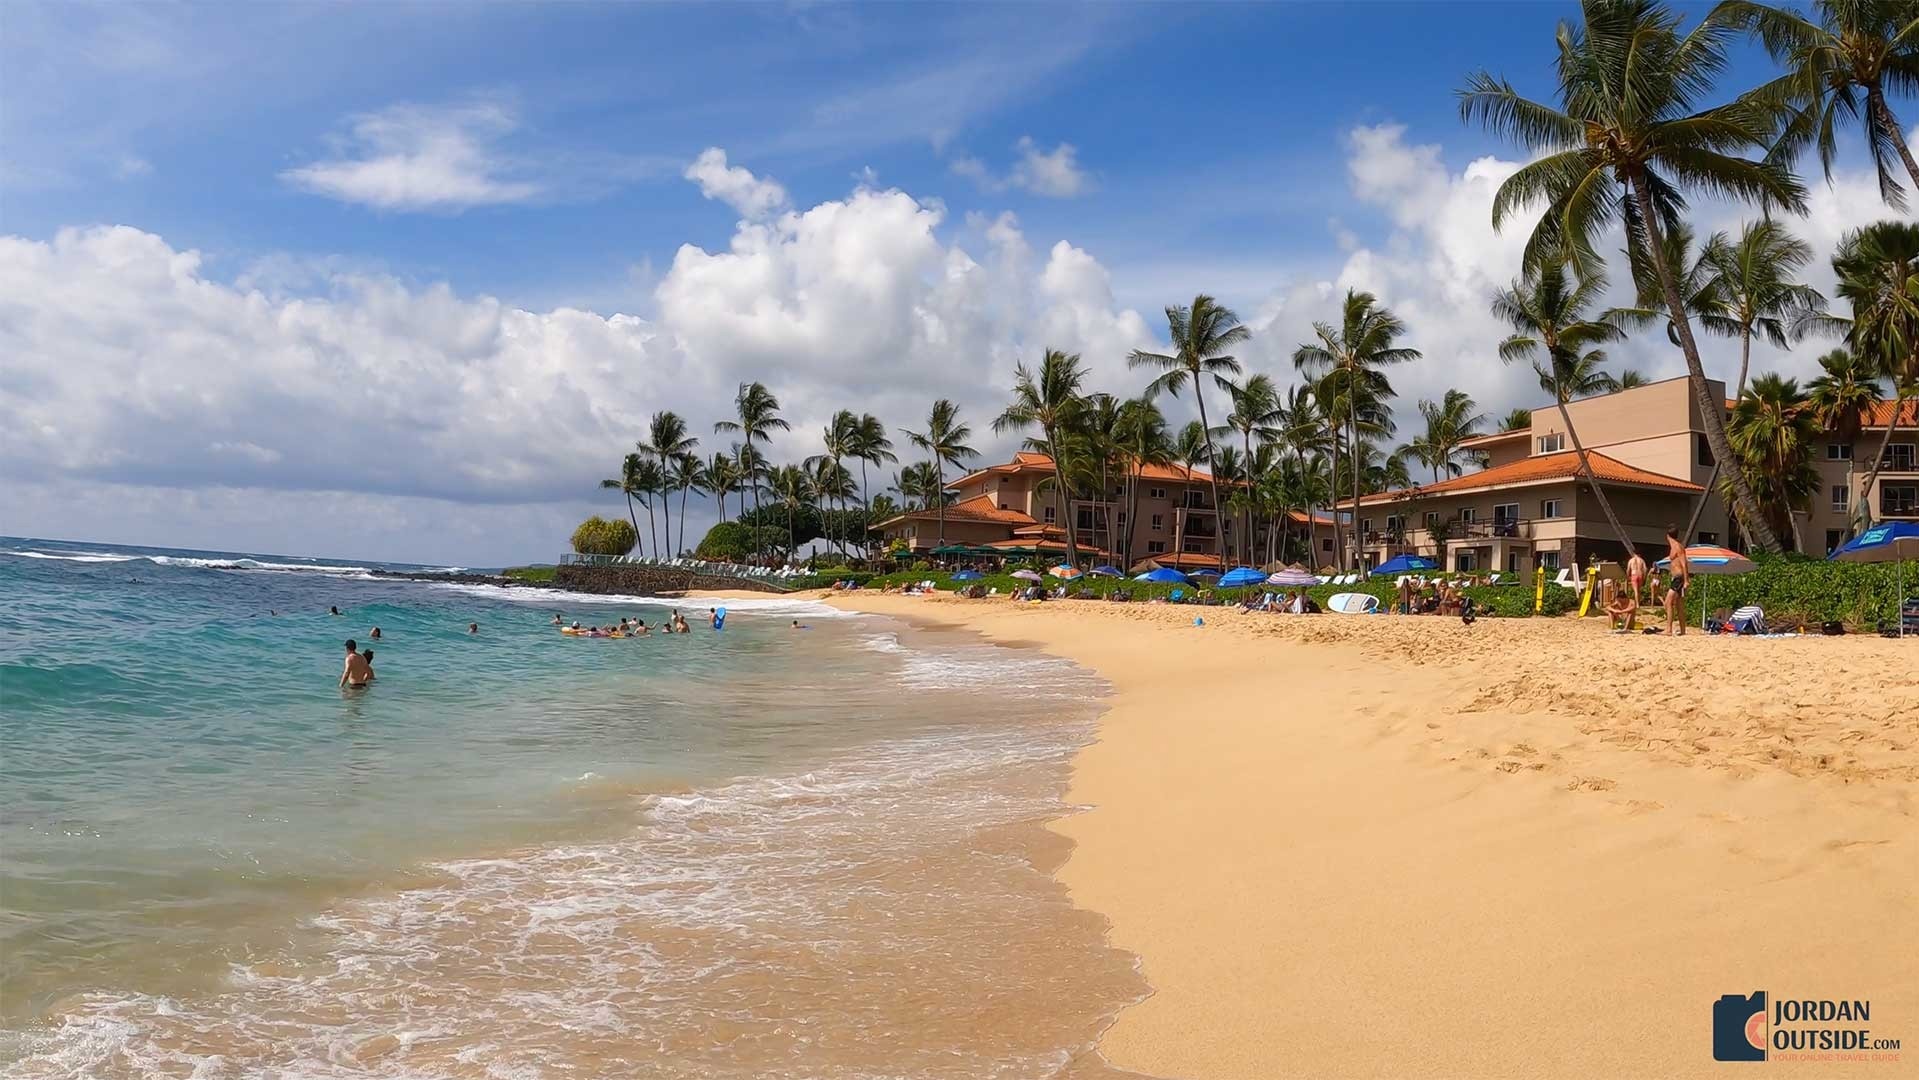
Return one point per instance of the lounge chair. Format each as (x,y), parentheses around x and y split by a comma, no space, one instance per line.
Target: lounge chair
(1353,603)
(1568,577)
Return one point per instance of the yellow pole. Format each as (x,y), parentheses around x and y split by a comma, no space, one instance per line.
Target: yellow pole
(1539,589)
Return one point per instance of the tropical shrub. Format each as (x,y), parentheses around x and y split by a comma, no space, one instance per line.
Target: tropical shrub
(730,541)
(599,536)
(1795,589)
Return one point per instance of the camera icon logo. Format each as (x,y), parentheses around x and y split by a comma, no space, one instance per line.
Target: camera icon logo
(1739,1027)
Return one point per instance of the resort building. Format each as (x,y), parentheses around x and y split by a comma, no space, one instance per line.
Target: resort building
(1647,449)
(1015,509)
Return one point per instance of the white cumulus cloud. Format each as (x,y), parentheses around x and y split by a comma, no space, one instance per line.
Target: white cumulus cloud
(736,186)
(1054,173)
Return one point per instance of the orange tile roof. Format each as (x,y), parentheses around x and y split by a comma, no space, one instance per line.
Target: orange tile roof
(1881,414)
(977,508)
(1028,461)
(1539,468)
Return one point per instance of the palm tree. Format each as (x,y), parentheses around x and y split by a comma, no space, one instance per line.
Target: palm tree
(1626,146)
(1517,419)
(840,439)
(649,480)
(919,485)
(1878,269)
(1050,400)
(667,439)
(1551,331)
(1843,394)
(1773,430)
(1449,422)
(1349,358)
(1096,430)
(1256,414)
(945,439)
(1628,379)
(1855,47)
(723,476)
(758,413)
(1200,336)
(830,482)
(791,488)
(1750,282)
(687,475)
(1191,448)
(1141,440)
(630,483)
(871,446)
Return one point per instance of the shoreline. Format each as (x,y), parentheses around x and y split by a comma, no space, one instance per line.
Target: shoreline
(1400,846)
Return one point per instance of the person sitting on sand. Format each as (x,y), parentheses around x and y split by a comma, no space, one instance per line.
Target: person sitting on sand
(1622,610)
(1676,588)
(357,671)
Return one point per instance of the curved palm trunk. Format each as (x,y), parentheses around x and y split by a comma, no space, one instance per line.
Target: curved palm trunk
(1066,510)
(1712,413)
(1212,473)
(651,528)
(1132,520)
(1339,534)
(666,501)
(866,503)
(1352,411)
(1876,105)
(939,494)
(634,517)
(1586,473)
(683,490)
(1692,523)
(1867,515)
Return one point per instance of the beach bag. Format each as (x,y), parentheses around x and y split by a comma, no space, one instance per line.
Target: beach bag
(1833,628)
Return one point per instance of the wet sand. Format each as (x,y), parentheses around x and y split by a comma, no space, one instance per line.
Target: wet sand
(1404,847)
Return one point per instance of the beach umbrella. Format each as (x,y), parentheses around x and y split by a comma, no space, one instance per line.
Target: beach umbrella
(968,575)
(1892,542)
(1028,575)
(1293,576)
(1244,575)
(1164,575)
(1064,571)
(1707,560)
(1204,572)
(953,549)
(1404,564)
(1107,571)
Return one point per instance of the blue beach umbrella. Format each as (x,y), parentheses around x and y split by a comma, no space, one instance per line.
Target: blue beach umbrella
(1162,575)
(1107,571)
(1404,564)
(1243,575)
(1894,542)
(968,575)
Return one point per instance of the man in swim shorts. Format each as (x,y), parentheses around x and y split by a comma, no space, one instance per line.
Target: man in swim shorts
(1676,589)
(1636,575)
(357,671)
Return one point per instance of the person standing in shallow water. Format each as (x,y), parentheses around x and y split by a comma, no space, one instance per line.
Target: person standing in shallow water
(357,671)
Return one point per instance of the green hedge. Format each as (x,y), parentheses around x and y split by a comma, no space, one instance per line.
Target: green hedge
(1794,589)
(1511,601)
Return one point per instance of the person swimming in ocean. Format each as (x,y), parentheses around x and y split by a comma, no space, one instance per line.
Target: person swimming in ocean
(797,626)
(472,628)
(713,617)
(357,672)
(367,655)
(679,624)
(376,634)
(640,630)
(557,621)
(333,611)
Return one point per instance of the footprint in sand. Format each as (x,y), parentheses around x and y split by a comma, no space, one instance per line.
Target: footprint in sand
(1591,783)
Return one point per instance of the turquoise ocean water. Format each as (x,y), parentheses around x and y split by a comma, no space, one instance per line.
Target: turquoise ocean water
(517,854)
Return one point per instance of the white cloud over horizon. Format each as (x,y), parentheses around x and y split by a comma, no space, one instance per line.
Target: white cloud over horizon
(1055,173)
(331,400)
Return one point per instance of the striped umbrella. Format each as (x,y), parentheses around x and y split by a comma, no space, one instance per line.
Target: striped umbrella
(1708,559)
(1292,576)
(1064,571)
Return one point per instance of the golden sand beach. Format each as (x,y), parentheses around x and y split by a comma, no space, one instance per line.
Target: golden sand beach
(1405,847)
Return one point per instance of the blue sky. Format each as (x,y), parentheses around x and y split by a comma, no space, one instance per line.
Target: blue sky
(397,185)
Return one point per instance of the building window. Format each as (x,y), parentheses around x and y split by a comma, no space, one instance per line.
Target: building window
(1552,444)
(911,532)
(1841,497)
(1702,450)
(1708,538)
(1365,526)
(1466,561)
(1122,521)
(1193,547)
(1195,500)
(1155,547)
(1084,519)
(1548,560)
(1049,515)
(1901,499)
(1898,457)
(1838,451)
(1506,512)
(1156,493)
(1512,561)
(1432,520)
(1395,525)
(1159,523)
(1326,544)
(1833,536)
(1468,514)
(1549,508)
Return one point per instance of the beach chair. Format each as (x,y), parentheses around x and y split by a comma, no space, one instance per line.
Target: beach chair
(1492,579)
(1353,603)
(1568,577)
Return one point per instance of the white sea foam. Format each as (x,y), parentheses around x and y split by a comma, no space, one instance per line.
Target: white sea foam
(73,556)
(724,906)
(772,605)
(188,561)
